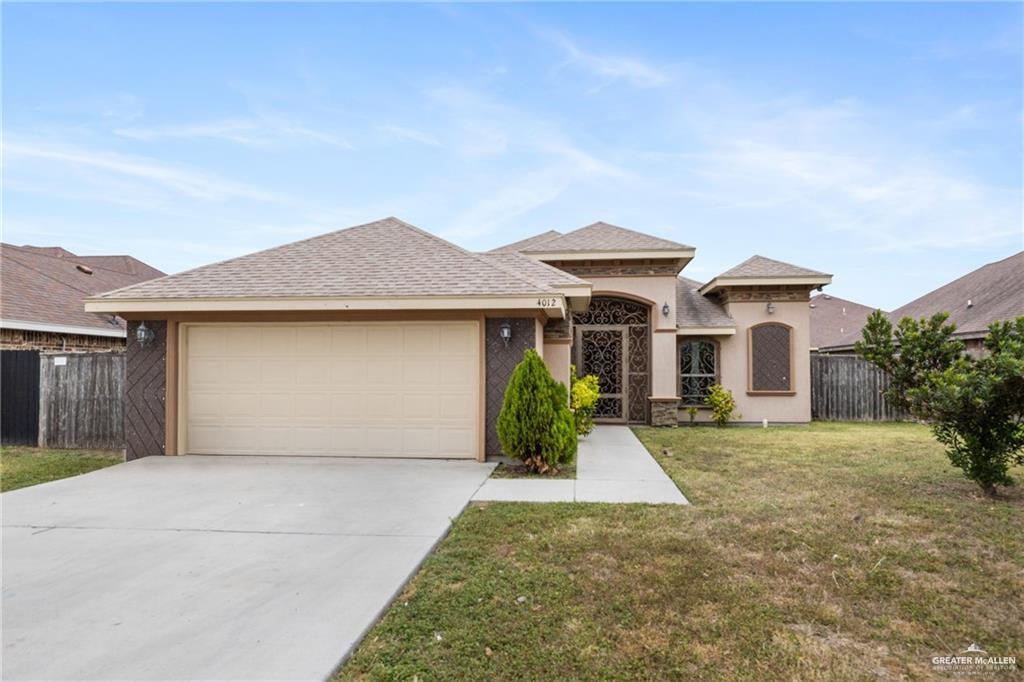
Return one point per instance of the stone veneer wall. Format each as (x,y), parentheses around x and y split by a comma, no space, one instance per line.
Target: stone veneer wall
(500,361)
(23,339)
(664,412)
(145,392)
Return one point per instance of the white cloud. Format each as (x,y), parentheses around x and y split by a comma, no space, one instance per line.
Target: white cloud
(184,181)
(261,132)
(409,134)
(608,68)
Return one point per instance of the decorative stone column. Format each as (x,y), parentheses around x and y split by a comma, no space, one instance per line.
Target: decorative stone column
(664,411)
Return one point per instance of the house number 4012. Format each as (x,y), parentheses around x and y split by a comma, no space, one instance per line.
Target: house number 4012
(547,302)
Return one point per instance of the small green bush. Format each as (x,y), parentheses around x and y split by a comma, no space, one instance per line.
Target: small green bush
(692,411)
(722,404)
(535,424)
(585,392)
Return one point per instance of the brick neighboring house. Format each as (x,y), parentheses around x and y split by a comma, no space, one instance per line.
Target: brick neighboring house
(989,294)
(833,318)
(385,340)
(42,290)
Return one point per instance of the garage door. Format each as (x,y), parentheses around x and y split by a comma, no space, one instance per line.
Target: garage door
(367,389)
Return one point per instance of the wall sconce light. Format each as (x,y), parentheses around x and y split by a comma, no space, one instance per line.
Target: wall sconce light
(505,330)
(144,335)
(665,309)
(771,308)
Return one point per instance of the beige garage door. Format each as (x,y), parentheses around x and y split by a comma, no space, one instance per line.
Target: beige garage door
(366,389)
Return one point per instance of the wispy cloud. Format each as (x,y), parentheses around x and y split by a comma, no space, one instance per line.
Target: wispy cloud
(250,132)
(181,180)
(607,68)
(410,134)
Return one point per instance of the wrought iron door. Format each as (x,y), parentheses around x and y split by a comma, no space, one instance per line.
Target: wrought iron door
(602,351)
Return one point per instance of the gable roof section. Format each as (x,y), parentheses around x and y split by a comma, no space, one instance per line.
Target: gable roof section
(526,243)
(385,259)
(693,310)
(832,318)
(760,270)
(995,292)
(534,270)
(42,288)
(602,237)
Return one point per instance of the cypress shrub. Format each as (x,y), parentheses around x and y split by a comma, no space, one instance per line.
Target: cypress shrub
(535,424)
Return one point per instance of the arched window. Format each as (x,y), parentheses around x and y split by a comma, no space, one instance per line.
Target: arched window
(771,358)
(698,370)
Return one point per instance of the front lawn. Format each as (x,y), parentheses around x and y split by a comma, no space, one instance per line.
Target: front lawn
(832,551)
(25,466)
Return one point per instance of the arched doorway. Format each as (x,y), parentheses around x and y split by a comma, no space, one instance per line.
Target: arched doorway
(612,340)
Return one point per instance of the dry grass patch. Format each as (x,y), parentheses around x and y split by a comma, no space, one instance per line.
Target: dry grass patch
(831,551)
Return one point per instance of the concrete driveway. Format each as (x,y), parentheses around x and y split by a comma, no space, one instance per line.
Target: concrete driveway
(223,568)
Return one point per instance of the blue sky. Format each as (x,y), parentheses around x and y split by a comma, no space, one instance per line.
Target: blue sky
(879,142)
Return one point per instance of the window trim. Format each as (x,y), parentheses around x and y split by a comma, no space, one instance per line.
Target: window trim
(750,361)
(679,369)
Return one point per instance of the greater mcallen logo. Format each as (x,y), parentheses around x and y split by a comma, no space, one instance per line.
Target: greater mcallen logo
(974,660)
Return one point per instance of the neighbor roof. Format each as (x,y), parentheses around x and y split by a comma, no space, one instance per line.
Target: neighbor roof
(528,242)
(603,237)
(43,287)
(696,310)
(991,293)
(386,258)
(832,318)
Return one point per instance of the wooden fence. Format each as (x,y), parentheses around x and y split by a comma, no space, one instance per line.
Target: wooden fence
(847,387)
(81,400)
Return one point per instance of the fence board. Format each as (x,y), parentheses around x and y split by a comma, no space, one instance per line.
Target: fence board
(19,397)
(81,403)
(849,388)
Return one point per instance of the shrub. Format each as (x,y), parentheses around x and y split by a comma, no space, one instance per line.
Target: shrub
(535,424)
(584,394)
(722,404)
(692,411)
(975,406)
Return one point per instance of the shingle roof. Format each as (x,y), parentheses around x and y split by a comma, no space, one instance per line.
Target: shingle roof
(528,242)
(604,237)
(995,292)
(832,318)
(385,258)
(43,285)
(759,266)
(534,270)
(696,310)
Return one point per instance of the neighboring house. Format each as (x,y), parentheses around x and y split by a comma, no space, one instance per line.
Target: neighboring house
(989,294)
(385,340)
(41,294)
(833,318)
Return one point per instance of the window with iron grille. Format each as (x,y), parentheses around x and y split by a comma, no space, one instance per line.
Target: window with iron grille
(698,370)
(770,358)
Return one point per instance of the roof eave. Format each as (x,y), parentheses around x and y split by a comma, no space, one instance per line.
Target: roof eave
(551,302)
(812,281)
(80,330)
(706,331)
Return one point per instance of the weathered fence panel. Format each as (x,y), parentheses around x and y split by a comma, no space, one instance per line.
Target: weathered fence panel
(19,397)
(81,400)
(847,387)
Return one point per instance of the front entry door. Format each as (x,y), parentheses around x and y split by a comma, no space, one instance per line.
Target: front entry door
(602,350)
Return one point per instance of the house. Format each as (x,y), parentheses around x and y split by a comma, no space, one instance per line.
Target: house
(385,340)
(832,318)
(42,293)
(989,294)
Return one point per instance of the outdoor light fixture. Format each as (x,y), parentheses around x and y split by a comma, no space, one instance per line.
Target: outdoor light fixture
(771,308)
(144,335)
(505,330)
(665,309)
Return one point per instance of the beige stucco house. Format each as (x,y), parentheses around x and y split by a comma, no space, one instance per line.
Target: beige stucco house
(385,340)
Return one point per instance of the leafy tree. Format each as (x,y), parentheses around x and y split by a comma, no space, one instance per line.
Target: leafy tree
(584,394)
(975,406)
(535,424)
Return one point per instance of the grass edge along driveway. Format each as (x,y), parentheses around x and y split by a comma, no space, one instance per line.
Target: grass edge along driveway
(834,550)
(22,466)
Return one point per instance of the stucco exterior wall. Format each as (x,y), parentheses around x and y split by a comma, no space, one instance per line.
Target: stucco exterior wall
(733,362)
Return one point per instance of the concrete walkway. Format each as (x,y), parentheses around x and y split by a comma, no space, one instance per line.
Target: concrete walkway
(612,466)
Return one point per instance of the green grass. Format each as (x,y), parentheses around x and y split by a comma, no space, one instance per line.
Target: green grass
(25,466)
(504,470)
(833,551)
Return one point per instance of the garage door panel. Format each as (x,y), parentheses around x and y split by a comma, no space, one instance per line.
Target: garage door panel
(373,389)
